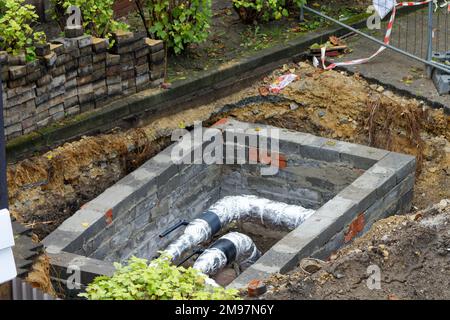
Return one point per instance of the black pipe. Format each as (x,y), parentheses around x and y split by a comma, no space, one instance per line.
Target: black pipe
(195,252)
(3,180)
(213,221)
(227,247)
(173,228)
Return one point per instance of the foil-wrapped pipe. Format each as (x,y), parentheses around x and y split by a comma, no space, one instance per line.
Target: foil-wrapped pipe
(273,214)
(232,247)
(196,232)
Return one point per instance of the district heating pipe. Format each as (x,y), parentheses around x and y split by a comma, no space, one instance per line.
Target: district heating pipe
(232,247)
(276,215)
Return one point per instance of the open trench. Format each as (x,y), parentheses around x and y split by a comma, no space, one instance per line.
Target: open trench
(46,189)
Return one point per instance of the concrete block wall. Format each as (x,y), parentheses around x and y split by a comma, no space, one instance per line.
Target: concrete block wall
(137,231)
(383,190)
(75,75)
(127,218)
(305,182)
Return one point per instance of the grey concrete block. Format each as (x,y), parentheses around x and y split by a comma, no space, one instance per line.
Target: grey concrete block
(401,163)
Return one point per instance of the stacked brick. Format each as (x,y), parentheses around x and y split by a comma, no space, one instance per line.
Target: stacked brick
(74,75)
(156,60)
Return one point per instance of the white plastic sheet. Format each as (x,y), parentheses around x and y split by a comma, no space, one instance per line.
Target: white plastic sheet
(7,264)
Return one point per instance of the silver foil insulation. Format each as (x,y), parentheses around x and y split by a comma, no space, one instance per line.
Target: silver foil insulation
(273,214)
(232,247)
(196,232)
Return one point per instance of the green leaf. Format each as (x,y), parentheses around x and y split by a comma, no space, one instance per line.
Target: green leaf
(158,279)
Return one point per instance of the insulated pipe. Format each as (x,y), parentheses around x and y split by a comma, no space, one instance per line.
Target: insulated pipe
(277,215)
(231,247)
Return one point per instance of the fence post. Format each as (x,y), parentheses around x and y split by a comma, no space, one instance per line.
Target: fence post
(430,38)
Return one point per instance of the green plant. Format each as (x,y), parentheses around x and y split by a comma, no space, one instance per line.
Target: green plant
(97,16)
(178,22)
(16,31)
(253,10)
(159,280)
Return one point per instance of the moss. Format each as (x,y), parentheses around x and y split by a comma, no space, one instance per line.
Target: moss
(25,139)
(357,18)
(35,138)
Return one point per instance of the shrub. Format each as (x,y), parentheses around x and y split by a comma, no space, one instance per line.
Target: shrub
(179,22)
(18,35)
(254,10)
(97,16)
(159,280)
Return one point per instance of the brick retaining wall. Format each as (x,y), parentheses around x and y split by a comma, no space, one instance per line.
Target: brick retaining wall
(75,75)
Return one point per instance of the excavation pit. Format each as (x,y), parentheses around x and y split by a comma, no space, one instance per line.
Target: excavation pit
(349,186)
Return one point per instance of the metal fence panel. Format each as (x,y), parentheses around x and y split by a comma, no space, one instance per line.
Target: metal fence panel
(420,32)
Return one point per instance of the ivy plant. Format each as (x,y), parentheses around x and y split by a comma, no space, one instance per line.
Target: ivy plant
(16,20)
(157,280)
(178,22)
(251,11)
(97,16)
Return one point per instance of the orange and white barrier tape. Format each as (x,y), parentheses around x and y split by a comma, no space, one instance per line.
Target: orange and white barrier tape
(387,39)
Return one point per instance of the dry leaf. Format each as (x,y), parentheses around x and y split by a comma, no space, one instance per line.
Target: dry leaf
(263,91)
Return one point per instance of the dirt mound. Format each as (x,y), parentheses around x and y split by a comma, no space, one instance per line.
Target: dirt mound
(46,189)
(335,105)
(411,254)
(39,276)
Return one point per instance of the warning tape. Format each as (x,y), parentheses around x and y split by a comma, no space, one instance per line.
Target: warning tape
(387,39)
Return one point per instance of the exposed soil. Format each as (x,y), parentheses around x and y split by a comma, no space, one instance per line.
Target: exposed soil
(39,276)
(46,189)
(412,253)
(335,105)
